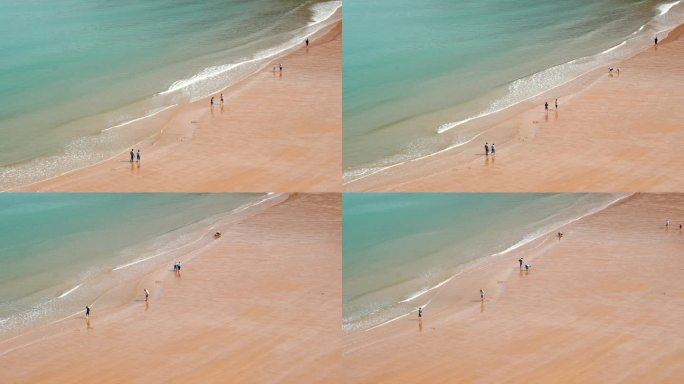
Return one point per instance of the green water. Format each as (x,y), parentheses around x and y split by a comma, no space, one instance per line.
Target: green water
(73,68)
(414,69)
(51,242)
(397,245)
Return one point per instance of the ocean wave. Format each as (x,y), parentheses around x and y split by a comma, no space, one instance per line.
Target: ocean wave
(665,8)
(68,292)
(356,175)
(537,84)
(526,239)
(149,114)
(195,86)
(528,88)
(185,242)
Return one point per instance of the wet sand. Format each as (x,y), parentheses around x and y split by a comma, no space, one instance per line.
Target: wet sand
(274,132)
(603,305)
(260,304)
(617,134)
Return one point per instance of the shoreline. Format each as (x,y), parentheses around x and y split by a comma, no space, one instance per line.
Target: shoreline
(525,244)
(108,279)
(314,70)
(248,327)
(448,170)
(550,323)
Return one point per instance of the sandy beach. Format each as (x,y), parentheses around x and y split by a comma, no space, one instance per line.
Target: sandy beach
(610,133)
(260,304)
(602,305)
(274,132)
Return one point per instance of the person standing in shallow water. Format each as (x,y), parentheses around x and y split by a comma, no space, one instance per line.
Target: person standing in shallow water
(138,156)
(87,312)
(486,147)
(132,155)
(655,39)
(481,295)
(307,42)
(546,106)
(520,261)
(420,312)
(493,150)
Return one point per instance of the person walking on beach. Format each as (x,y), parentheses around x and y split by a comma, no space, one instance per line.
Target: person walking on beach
(87,312)
(280,67)
(138,156)
(656,40)
(221,97)
(307,42)
(560,234)
(481,295)
(556,103)
(420,312)
(486,149)
(132,155)
(520,261)
(527,267)
(546,106)
(212,101)
(147,294)
(493,150)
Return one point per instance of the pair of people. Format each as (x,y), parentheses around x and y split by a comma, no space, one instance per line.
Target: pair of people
(177,267)
(134,156)
(546,105)
(212,100)
(486,148)
(520,262)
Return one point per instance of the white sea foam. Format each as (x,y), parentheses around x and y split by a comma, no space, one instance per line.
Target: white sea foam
(150,114)
(665,8)
(426,290)
(185,244)
(556,226)
(522,242)
(372,171)
(321,12)
(65,294)
(534,86)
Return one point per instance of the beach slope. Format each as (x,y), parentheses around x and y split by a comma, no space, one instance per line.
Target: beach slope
(275,131)
(620,133)
(602,305)
(261,304)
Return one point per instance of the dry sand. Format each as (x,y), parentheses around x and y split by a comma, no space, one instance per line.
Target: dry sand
(619,134)
(275,132)
(260,304)
(603,305)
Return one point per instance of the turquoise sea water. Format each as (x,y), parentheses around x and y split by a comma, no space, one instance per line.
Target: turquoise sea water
(399,245)
(53,242)
(73,68)
(418,74)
